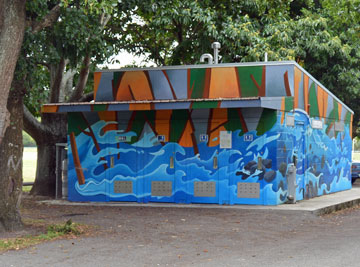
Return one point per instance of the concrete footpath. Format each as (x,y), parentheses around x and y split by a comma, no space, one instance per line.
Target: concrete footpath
(318,205)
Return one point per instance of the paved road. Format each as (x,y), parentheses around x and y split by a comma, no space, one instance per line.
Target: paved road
(137,236)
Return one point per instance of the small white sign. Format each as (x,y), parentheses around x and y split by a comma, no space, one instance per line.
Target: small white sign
(339,126)
(204,138)
(225,139)
(122,139)
(290,120)
(161,138)
(316,124)
(248,137)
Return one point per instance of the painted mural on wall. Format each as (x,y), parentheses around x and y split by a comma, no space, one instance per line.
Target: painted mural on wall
(187,135)
(160,156)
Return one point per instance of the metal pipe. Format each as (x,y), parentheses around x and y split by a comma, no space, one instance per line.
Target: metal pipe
(266,57)
(216,46)
(207,56)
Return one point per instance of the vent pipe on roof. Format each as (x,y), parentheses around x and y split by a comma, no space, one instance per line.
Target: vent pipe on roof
(216,46)
(212,60)
(265,57)
(209,57)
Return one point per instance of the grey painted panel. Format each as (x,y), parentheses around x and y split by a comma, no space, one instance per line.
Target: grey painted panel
(201,128)
(241,103)
(74,108)
(248,190)
(271,102)
(161,188)
(251,117)
(204,189)
(330,106)
(91,117)
(301,93)
(116,107)
(178,105)
(123,187)
(124,116)
(200,114)
(178,80)
(160,85)
(104,91)
(275,83)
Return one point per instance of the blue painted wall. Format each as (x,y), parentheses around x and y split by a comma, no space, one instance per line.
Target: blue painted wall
(323,161)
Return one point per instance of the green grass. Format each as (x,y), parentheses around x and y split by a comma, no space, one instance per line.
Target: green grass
(29,164)
(356,156)
(54,231)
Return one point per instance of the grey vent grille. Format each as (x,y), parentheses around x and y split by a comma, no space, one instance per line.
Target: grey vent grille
(248,190)
(204,189)
(123,187)
(161,188)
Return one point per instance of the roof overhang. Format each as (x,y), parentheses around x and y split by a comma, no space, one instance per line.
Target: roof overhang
(249,102)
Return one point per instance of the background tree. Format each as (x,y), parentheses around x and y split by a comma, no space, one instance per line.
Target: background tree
(322,36)
(16,17)
(13,20)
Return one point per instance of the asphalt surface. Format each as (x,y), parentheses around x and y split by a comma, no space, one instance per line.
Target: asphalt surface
(133,235)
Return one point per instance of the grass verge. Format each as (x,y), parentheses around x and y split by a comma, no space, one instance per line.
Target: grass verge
(53,231)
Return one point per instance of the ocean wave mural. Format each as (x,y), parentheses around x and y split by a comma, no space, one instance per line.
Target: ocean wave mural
(181,158)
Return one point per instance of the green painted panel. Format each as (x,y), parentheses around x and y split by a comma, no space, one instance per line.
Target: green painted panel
(137,126)
(177,124)
(248,87)
(314,106)
(197,82)
(347,117)
(289,103)
(101,107)
(267,121)
(234,122)
(117,77)
(205,104)
(334,114)
(76,123)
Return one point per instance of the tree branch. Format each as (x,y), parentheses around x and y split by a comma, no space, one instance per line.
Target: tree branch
(48,20)
(86,98)
(33,127)
(56,84)
(84,73)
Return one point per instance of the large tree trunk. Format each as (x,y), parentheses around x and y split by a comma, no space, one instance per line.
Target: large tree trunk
(12,27)
(46,134)
(11,150)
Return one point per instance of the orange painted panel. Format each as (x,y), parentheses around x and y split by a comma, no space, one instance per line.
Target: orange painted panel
(146,106)
(49,109)
(339,110)
(134,86)
(218,119)
(325,97)
(297,80)
(282,110)
(162,123)
(214,138)
(320,99)
(351,125)
(97,78)
(224,83)
(108,116)
(306,92)
(186,140)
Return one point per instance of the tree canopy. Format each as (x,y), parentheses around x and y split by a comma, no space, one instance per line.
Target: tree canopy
(322,36)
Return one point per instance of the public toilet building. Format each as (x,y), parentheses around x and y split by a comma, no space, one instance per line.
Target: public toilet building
(225,134)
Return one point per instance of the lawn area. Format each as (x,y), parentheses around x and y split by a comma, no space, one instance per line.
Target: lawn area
(356,156)
(29,164)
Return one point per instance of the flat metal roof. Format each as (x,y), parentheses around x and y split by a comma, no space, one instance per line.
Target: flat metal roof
(263,102)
